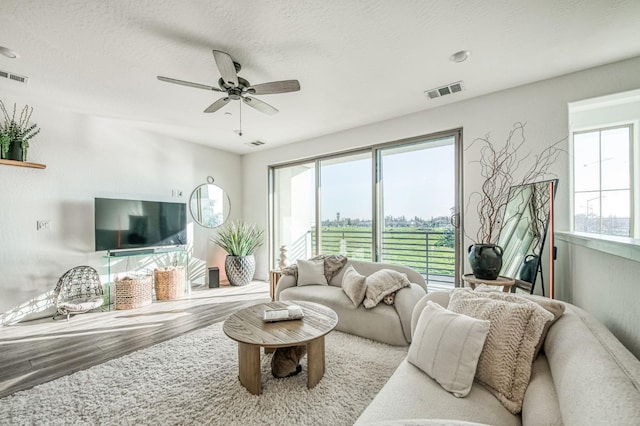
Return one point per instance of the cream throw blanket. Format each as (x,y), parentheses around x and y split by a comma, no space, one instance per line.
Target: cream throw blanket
(381,283)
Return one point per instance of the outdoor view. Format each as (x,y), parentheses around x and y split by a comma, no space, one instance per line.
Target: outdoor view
(602,183)
(413,201)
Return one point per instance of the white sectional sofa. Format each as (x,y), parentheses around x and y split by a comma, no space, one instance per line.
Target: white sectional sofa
(384,323)
(584,376)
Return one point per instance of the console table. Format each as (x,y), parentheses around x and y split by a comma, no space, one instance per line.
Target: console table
(136,262)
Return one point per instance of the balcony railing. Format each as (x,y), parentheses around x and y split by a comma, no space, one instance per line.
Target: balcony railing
(429,252)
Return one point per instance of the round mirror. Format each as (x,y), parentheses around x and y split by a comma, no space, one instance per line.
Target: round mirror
(209,205)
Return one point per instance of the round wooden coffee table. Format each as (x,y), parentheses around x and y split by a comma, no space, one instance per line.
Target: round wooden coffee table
(247,328)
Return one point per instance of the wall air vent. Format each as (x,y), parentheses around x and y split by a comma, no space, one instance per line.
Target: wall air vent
(14,77)
(444,90)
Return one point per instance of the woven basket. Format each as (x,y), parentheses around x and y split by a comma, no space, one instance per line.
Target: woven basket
(169,282)
(134,292)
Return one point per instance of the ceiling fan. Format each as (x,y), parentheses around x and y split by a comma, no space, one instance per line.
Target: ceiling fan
(238,88)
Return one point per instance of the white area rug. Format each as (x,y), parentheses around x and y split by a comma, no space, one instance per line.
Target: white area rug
(192,379)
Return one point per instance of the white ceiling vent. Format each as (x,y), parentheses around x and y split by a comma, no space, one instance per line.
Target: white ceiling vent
(14,77)
(255,143)
(444,90)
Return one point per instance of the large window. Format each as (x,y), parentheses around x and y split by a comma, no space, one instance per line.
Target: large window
(603,196)
(293,208)
(418,199)
(390,203)
(345,206)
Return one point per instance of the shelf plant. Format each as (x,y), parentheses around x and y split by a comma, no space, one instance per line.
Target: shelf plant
(15,133)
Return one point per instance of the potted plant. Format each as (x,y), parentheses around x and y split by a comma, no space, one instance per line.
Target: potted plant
(239,240)
(498,168)
(16,133)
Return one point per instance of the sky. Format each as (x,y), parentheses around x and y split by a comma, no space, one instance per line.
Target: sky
(415,183)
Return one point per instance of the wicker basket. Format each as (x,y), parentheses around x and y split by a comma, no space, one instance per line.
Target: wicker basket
(169,282)
(134,292)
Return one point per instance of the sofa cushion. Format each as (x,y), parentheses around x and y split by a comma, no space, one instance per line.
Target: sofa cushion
(411,394)
(353,285)
(447,347)
(311,272)
(81,306)
(541,393)
(505,362)
(381,323)
(381,283)
(596,378)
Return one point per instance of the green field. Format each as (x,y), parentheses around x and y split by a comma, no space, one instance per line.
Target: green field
(427,251)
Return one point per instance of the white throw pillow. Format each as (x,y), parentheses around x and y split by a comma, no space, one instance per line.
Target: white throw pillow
(311,272)
(447,347)
(353,284)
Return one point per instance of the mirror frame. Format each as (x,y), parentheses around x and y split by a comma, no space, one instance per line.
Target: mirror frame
(521,215)
(198,215)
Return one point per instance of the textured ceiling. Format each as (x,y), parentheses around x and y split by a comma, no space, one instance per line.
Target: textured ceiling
(358,62)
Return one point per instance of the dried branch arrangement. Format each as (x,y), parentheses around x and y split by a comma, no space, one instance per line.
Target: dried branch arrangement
(498,168)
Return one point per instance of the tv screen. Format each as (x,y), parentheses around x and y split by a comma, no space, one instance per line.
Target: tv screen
(134,224)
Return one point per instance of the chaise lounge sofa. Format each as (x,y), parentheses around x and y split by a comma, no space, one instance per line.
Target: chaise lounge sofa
(389,324)
(583,376)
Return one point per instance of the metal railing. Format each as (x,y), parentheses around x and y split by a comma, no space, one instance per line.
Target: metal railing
(429,252)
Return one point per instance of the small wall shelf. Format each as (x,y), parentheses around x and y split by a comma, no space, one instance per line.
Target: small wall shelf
(23,164)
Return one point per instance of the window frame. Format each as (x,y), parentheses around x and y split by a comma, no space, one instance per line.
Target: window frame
(374,151)
(634,172)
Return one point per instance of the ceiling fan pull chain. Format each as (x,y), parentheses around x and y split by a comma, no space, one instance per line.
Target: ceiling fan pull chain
(240,133)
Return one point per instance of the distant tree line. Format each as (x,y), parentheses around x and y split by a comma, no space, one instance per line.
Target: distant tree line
(390,222)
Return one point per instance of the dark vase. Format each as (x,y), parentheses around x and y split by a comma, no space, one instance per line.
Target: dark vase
(15,151)
(485,260)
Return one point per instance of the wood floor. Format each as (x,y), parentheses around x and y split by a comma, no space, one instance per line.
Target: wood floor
(36,352)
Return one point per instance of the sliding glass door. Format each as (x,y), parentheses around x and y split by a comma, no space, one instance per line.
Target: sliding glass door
(293,191)
(392,203)
(345,206)
(417,200)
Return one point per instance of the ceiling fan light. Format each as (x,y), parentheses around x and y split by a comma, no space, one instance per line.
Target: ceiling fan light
(460,56)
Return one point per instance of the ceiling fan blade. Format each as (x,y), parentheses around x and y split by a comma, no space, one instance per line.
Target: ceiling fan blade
(218,104)
(226,67)
(188,83)
(259,105)
(274,87)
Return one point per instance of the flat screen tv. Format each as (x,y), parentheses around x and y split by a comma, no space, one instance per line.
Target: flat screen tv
(136,224)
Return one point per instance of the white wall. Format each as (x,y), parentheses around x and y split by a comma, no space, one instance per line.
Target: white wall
(86,157)
(542,105)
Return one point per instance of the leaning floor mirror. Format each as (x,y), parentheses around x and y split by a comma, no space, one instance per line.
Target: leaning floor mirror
(528,218)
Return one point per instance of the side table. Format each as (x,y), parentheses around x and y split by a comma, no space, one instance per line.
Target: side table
(274,276)
(505,282)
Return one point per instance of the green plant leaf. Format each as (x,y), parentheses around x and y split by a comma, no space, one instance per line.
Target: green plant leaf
(239,238)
